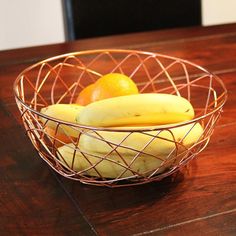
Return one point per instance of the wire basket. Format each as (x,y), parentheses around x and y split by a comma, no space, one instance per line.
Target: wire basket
(125,159)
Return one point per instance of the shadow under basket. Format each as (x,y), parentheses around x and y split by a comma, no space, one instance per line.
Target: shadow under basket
(125,156)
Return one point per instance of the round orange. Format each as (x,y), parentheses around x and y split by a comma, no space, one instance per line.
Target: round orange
(85,96)
(113,85)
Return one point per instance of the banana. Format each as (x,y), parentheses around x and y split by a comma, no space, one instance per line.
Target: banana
(112,154)
(65,113)
(136,109)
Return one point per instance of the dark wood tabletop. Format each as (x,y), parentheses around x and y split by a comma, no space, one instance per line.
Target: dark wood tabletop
(199,200)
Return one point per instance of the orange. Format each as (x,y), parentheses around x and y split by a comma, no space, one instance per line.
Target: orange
(57,138)
(109,85)
(85,96)
(113,85)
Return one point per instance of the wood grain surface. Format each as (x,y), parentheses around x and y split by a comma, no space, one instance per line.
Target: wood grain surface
(198,200)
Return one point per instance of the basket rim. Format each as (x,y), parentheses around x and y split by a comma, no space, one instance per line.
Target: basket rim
(119,129)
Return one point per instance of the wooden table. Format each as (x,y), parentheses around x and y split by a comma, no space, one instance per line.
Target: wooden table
(201,200)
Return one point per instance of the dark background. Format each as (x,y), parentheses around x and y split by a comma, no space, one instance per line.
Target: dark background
(91,18)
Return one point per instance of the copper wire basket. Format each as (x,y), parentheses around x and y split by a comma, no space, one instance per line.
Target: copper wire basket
(60,79)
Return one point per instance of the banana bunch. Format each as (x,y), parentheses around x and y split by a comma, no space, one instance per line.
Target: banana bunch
(117,153)
(112,154)
(137,109)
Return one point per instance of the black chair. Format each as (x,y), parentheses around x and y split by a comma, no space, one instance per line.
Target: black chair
(91,18)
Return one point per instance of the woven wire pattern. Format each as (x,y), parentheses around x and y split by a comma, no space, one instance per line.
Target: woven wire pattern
(60,79)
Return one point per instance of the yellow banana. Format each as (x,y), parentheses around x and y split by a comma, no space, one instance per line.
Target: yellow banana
(65,113)
(137,109)
(124,154)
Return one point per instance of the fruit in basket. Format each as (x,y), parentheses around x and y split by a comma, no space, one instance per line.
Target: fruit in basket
(113,85)
(57,138)
(138,110)
(85,96)
(64,113)
(107,86)
(111,153)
